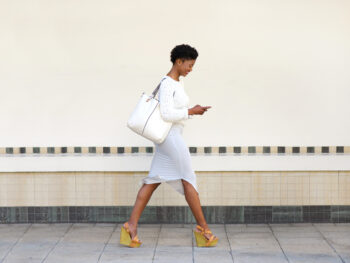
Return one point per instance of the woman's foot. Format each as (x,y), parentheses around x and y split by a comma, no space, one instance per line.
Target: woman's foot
(204,237)
(132,229)
(207,234)
(129,238)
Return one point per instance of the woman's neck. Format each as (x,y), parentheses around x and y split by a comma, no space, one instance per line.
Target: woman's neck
(174,75)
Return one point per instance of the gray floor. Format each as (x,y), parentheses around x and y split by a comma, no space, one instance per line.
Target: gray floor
(175,243)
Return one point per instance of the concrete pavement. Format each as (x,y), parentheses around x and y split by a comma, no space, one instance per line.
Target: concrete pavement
(81,242)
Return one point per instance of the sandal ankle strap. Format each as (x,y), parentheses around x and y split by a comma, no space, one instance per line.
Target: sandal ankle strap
(205,231)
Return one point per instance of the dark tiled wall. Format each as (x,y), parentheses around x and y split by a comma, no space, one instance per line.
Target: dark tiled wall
(177,214)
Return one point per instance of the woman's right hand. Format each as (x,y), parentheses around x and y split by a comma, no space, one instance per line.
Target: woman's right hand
(198,109)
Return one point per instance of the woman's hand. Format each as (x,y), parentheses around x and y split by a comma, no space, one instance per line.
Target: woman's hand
(198,109)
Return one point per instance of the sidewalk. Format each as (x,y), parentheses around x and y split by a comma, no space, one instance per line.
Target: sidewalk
(64,243)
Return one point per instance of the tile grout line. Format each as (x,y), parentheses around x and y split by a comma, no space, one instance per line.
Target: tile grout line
(109,238)
(229,243)
(278,242)
(329,244)
(8,252)
(59,240)
(155,247)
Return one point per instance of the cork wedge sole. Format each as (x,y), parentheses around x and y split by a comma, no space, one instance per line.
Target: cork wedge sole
(125,237)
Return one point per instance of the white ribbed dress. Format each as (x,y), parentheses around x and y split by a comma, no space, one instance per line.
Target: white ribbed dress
(172,161)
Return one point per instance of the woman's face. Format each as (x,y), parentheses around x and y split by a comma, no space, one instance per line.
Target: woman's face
(185,66)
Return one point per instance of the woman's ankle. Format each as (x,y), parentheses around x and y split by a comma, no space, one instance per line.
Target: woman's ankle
(132,224)
(204,226)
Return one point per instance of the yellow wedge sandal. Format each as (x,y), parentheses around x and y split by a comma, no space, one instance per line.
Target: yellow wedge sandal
(125,237)
(201,239)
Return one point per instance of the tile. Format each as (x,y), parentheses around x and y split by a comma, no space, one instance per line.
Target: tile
(92,149)
(207,149)
(251,149)
(237,149)
(99,150)
(106,150)
(122,150)
(344,188)
(266,149)
(222,149)
(64,149)
(193,150)
(259,149)
(287,214)
(128,150)
(323,188)
(134,149)
(77,149)
(50,150)
(295,188)
(257,214)
(310,149)
(9,150)
(244,149)
(43,150)
(214,150)
(340,149)
(85,150)
(265,188)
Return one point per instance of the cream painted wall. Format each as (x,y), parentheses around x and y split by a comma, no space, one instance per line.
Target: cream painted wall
(275,72)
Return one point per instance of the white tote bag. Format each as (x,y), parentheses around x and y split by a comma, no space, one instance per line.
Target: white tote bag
(146,119)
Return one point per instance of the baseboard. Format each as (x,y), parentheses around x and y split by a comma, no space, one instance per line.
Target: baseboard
(177,214)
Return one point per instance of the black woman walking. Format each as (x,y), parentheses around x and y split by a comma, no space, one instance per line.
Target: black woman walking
(172,161)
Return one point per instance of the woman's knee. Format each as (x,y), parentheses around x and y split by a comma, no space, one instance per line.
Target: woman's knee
(147,190)
(185,183)
(154,186)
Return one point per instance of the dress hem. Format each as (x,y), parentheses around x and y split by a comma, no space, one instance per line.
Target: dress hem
(181,191)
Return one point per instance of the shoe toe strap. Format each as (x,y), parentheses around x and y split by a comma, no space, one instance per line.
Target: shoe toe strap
(136,239)
(210,240)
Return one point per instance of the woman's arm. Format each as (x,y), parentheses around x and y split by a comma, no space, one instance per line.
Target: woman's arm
(167,109)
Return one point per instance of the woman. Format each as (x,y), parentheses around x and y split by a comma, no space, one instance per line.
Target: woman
(171,162)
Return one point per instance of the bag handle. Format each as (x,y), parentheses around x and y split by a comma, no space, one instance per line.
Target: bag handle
(154,93)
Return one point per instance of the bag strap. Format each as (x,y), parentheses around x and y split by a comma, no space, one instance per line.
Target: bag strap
(154,93)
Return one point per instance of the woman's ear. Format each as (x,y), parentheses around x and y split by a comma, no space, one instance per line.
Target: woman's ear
(179,61)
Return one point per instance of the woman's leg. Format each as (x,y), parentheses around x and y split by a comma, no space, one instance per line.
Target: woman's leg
(192,199)
(142,199)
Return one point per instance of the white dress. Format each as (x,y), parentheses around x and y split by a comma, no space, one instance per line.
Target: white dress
(172,161)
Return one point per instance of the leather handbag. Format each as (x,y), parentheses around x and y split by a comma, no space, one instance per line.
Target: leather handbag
(146,119)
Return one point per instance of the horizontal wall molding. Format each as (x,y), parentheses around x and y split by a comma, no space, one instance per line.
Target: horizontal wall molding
(194,150)
(200,162)
(177,214)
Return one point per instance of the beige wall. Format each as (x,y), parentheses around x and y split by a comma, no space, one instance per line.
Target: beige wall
(275,72)
(215,188)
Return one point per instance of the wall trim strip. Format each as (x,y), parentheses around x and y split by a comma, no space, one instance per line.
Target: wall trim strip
(194,150)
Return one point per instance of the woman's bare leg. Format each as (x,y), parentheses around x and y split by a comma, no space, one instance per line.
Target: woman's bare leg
(142,199)
(193,201)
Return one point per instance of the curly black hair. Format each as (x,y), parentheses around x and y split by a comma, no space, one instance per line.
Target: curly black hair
(183,52)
